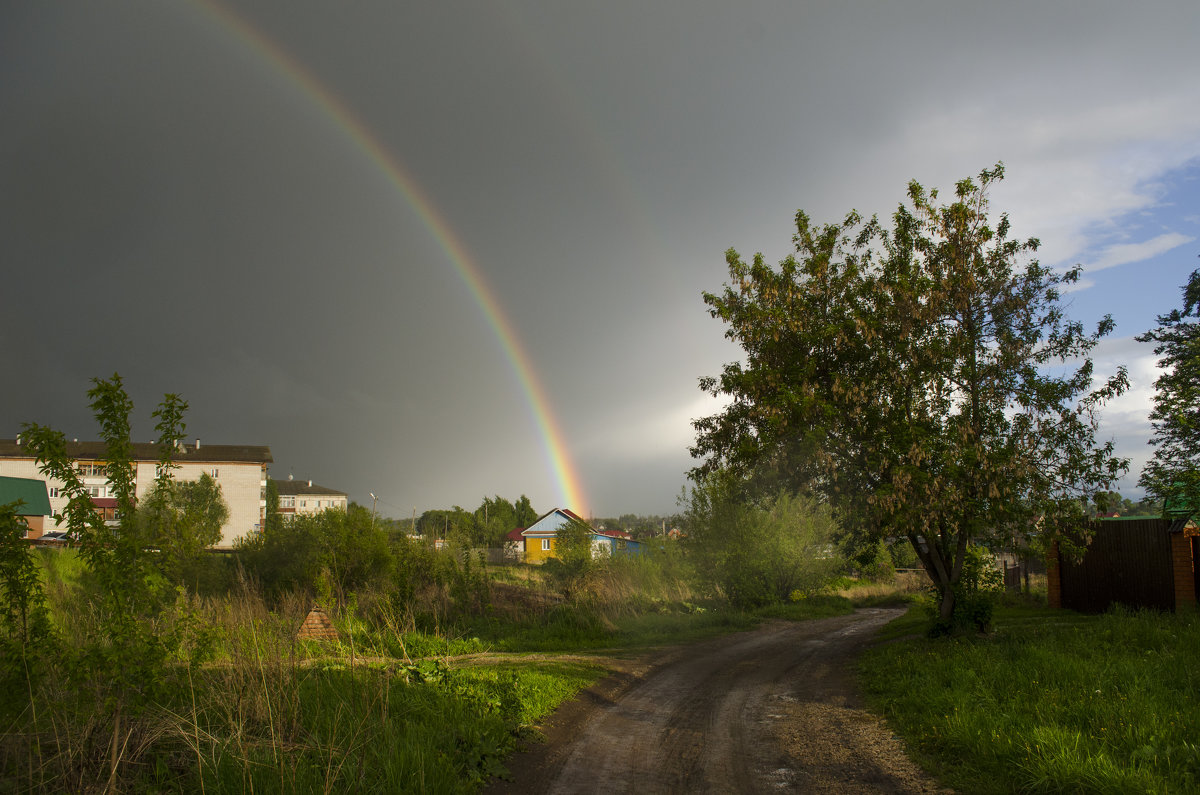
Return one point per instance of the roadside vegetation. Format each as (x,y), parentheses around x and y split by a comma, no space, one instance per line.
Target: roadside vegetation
(134,660)
(1050,701)
(423,693)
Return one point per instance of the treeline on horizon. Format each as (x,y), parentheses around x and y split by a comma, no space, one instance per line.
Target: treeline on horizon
(496,516)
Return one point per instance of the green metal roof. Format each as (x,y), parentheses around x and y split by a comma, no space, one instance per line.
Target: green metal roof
(28,491)
(1177,505)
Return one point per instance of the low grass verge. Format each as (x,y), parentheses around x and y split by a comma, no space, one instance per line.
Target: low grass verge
(1051,701)
(568,628)
(368,729)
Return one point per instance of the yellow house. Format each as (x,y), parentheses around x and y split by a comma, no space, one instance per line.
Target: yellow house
(540,536)
(537,543)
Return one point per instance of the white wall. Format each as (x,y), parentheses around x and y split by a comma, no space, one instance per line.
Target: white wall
(242,486)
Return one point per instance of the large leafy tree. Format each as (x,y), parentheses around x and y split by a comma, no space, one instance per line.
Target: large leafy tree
(1173,475)
(922,378)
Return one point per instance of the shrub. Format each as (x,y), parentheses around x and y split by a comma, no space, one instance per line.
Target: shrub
(980,585)
(756,555)
(344,546)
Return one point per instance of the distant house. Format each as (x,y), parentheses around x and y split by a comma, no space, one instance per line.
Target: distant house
(241,471)
(514,544)
(32,499)
(615,542)
(541,536)
(302,496)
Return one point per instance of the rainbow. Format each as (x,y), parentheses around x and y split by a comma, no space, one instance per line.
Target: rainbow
(569,483)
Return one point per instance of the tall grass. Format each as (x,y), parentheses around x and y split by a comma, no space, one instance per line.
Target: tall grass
(270,712)
(398,703)
(1051,702)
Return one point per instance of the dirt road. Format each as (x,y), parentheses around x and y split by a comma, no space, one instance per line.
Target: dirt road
(769,710)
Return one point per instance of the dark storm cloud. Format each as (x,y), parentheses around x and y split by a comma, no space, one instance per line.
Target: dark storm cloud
(176,207)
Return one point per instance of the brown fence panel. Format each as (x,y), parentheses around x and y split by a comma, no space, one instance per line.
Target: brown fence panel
(1012,577)
(1128,562)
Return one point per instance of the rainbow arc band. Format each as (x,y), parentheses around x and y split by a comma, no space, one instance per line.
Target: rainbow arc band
(566,476)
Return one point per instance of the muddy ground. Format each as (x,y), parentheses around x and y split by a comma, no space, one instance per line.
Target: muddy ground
(769,710)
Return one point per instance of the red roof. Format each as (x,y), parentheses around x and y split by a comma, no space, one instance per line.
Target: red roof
(515,534)
(615,534)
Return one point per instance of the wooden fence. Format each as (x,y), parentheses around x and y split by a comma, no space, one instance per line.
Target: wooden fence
(1134,562)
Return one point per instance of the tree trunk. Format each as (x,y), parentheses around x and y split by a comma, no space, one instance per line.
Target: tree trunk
(946,608)
(942,575)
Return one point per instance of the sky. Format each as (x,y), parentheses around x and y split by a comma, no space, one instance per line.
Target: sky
(437,251)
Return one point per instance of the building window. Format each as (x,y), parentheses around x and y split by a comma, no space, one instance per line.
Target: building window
(303,503)
(214,472)
(53,491)
(287,502)
(92,470)
(545,544)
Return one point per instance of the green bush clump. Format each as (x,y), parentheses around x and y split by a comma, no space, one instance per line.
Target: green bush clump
(975,596)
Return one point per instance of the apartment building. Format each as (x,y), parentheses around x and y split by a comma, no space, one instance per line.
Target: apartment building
(303,496)
(241,470)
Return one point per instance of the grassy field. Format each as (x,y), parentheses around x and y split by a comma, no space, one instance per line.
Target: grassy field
(398,703)
(1051,701)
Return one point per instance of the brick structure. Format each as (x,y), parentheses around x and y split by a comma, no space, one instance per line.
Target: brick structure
(1182,567)
(317,626)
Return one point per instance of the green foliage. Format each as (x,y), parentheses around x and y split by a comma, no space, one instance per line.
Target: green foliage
(486,526)
(1051,702)
(574,562)
(1173,474)
(469,583)
(871,557)
(923,379)
(417,566)
(181,519)
(272,519)
(1106,502)
(639,526)
(976,592)
(26,636)
(343,546)
(760,555)
(140,626)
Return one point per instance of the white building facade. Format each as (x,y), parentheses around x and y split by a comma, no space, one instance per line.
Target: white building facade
(303,496)
(241,471)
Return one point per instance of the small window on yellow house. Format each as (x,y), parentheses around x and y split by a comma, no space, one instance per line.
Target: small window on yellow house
(546,544)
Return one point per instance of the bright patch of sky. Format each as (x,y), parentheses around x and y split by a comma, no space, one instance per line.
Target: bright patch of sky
(1135,271)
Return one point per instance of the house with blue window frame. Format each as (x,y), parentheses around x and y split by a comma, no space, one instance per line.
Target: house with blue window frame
(539,539)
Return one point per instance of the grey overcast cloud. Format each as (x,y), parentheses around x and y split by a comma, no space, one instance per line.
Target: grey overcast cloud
(446,250)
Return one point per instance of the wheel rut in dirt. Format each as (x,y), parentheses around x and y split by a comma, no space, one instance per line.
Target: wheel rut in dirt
(772,709)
